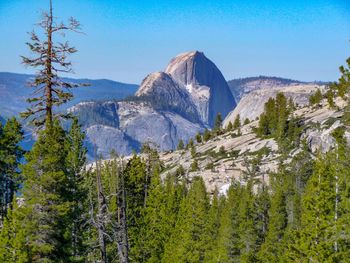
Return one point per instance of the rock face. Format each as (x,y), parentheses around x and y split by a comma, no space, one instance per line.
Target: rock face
(243,86)
(252,104)
(168,106)
(165,94)
(207,87)
(124,126)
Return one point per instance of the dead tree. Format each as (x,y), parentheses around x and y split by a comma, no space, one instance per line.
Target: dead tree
(121,229)
(50,59)
(102,215)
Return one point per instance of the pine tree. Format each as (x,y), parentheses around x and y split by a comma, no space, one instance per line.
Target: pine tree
(227,243)
(271,250)
(218,123)
(47,205)
(206,135)
(180,145)
(316,97)
(13,237)
(248,235)
(189,239)
(213,225)
(199,138)
(342,86)
(229,126)
(75,161)
(315,239)
(50,59)
(135,179)
(237,122)
(10,156)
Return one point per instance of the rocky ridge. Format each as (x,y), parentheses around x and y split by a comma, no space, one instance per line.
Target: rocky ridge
(218,168)
(252,103)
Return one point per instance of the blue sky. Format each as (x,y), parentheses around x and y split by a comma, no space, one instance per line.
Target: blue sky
(126,40)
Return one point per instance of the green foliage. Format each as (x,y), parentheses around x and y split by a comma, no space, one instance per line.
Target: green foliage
(218,123)
(46,212)
(206,135)
(190,144)
(342,86)
(222,150)
(194,166)
(10,156)
(229,126)
(190,238)
(330,98)
(278,122)
(237,122)
(246,121)
(180,145)
(316,97)
(198,137)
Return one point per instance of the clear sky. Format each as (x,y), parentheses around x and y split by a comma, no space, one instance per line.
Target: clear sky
(126,40)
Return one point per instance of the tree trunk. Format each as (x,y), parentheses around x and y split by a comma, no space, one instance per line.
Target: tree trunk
(121,221)
(48,88)
(101,215)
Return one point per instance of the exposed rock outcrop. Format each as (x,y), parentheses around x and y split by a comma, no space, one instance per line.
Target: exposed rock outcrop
(204,82)
(252,104)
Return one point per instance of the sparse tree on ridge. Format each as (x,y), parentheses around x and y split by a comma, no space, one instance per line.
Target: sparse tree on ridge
(50,59)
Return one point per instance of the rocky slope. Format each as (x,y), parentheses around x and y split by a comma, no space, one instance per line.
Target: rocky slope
(219,168)
(243,86)
(252,103)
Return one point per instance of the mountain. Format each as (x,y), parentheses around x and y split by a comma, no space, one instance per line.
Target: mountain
(14,92)
(251,105)
(242,86)
(207,87)
(124,125)
(165,94)
(168,106)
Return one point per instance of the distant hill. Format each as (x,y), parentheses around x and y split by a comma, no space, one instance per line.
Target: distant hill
(14,91)
(242,86)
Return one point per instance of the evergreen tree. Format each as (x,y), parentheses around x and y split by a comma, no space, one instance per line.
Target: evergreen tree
(237,122)
(10,156)
(315,239)
(228,239)
(248,235)
(229,126)
(194,166)
(206,135)
(316,97)
(47,206)
(180,145)
(135,179)
(246,121)
(75,161)
(189,239)
(213,225)
(343,84)
(13,246)
(271,250)
(218,123)
(49,58)
(199,138)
